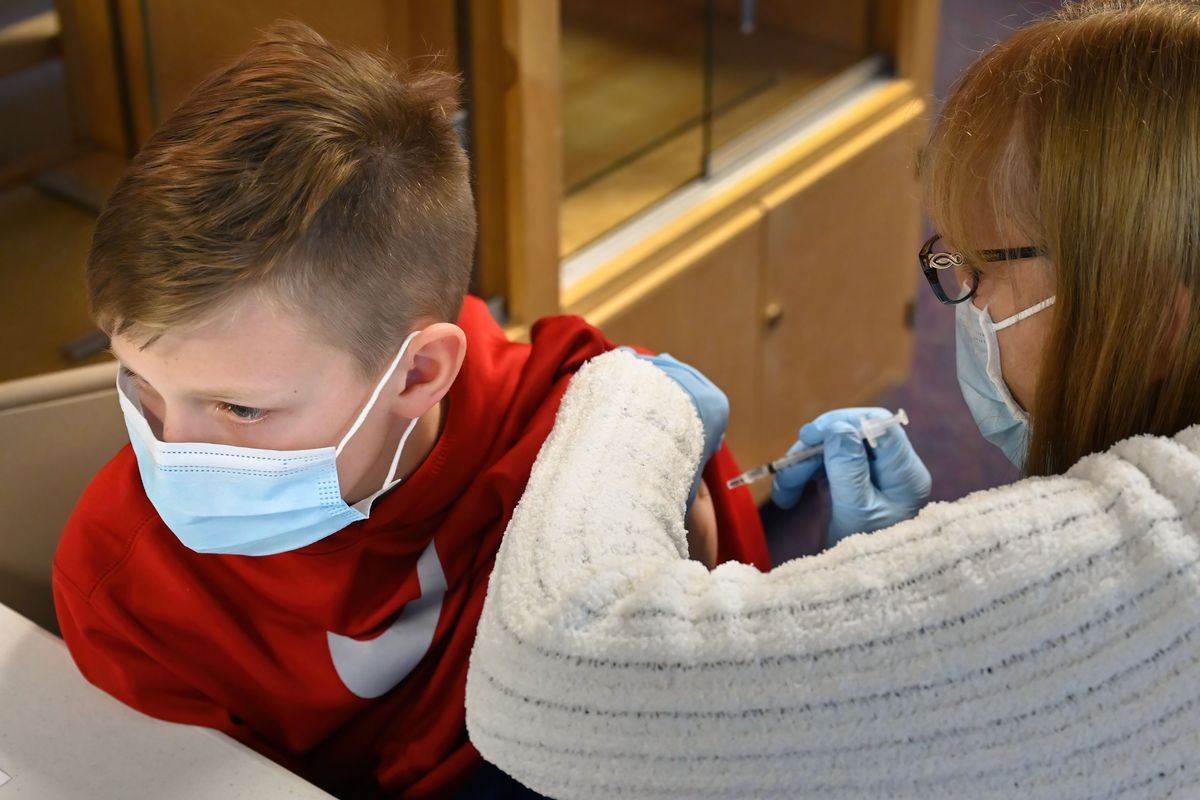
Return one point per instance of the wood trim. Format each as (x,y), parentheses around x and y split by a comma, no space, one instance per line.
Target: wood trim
(712,238)
(422,32)
(23,169)
(55,386)
(138,77)
(93,83)
(679,234)
(515,64)
(849,147)
(916,44)
(492,74)
(28,42)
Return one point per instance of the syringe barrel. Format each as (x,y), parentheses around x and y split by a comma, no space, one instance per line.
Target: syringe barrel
(872,429)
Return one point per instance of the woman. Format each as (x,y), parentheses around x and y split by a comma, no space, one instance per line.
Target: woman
(1038,640)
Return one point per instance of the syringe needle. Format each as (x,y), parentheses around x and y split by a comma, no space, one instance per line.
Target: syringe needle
(772,467)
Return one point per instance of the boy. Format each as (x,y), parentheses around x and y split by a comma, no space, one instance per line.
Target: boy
(327,441)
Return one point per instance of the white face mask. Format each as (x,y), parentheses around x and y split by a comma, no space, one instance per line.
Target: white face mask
(999,416)
(218,498)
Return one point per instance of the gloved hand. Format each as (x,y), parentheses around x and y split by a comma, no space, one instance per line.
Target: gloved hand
(867,493)
(711,404)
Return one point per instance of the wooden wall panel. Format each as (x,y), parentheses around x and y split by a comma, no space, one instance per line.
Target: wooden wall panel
(93,83)
(516,75)
(172,44)
(841,272)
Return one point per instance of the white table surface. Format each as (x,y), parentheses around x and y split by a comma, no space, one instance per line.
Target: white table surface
(62,738)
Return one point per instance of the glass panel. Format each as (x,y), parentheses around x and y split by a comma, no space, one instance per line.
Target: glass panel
(770,54)
(633,103)
(659,93)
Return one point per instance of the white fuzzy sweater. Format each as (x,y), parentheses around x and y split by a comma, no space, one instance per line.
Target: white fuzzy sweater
(1035,641)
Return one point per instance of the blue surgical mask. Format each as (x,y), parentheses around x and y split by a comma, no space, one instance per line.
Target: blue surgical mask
(219,498)
(999,416)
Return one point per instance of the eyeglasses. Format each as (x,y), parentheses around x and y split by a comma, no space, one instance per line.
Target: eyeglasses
(952,279)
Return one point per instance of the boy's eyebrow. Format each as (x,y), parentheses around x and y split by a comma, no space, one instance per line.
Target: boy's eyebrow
(235,397)
(227,395)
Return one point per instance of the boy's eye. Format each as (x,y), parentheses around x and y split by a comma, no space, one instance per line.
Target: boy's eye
(243,413)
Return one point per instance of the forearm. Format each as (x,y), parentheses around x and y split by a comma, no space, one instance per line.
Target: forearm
(940,658)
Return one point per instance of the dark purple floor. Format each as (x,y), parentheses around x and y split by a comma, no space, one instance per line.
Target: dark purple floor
(941,430)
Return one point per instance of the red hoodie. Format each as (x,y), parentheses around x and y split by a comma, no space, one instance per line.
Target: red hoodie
(346,660)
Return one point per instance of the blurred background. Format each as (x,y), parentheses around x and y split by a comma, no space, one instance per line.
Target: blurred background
(732,181)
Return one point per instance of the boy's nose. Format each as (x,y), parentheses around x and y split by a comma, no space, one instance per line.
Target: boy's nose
(174,428)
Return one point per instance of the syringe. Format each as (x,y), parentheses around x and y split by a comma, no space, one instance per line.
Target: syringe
(869,429)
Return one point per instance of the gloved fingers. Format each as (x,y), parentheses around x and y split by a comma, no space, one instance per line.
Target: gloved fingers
(789,483)
(680,371)
(801,472)
(814,433)
(847,468)
(898,468)
(844,461)
(710,402)
(810,435)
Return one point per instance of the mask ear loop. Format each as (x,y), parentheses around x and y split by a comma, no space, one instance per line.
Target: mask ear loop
(1026,314)
(991,367)
(362,415)
(399,449)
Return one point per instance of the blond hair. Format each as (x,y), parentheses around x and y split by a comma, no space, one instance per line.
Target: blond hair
(1080,134)
(320,174)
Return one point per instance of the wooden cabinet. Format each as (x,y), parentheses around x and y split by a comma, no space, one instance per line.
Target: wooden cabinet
(791,280)
(801,302)
(839,276)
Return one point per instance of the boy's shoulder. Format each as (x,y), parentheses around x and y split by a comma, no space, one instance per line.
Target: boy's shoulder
(557,346)
(566,333)
(109,517)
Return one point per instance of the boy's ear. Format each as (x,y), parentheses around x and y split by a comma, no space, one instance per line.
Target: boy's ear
(435,357)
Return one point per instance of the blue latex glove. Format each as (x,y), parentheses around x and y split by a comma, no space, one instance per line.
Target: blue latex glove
(711,404)
(867,493)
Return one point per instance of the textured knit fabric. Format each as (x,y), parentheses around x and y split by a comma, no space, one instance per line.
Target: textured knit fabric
(1034,641)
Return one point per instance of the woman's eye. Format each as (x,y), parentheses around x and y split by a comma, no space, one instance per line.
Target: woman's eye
(243,413)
